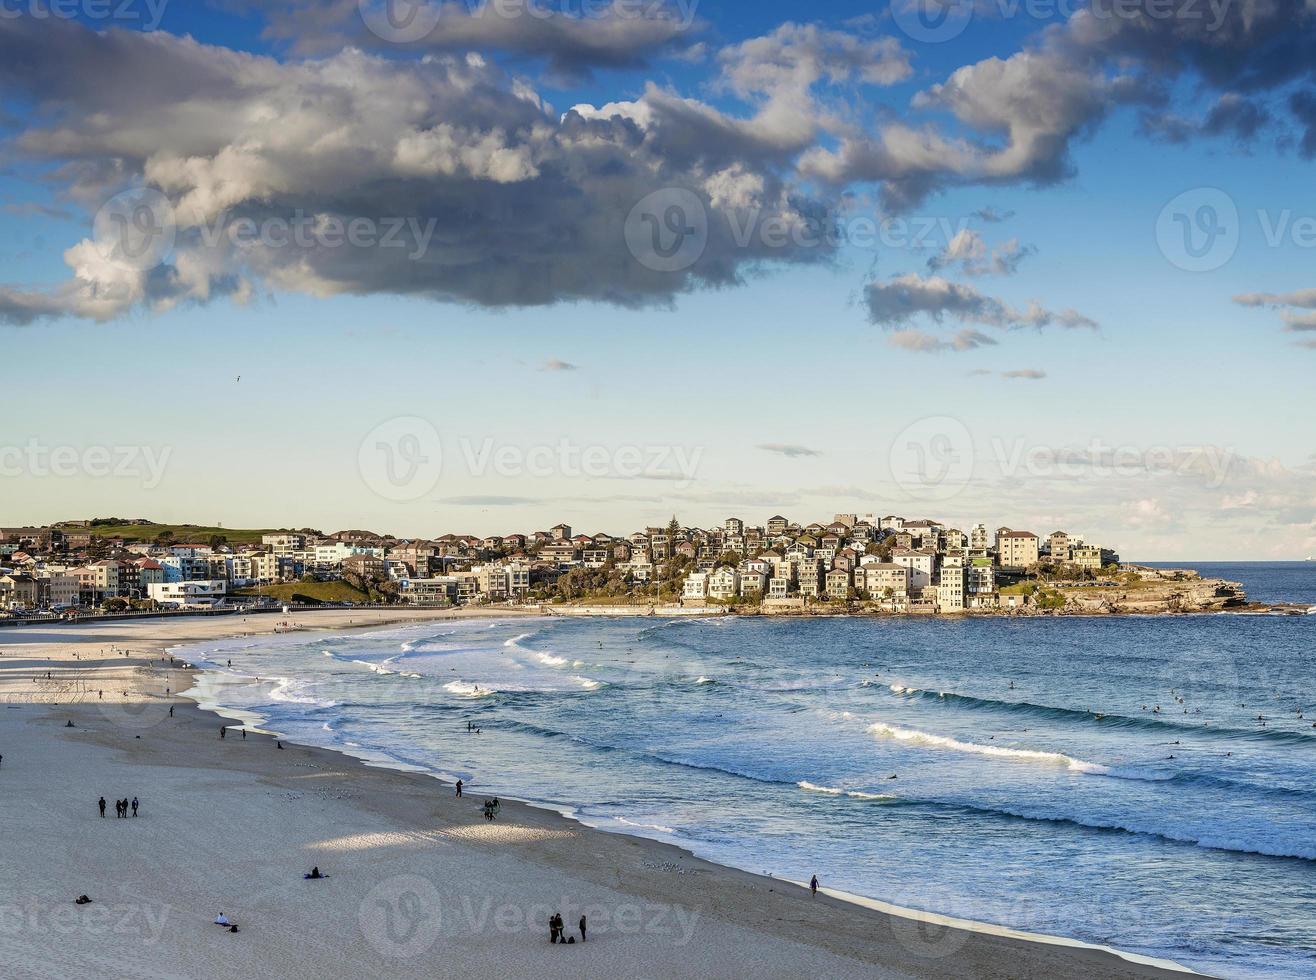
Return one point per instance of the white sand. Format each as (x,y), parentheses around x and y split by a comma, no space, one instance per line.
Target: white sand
(421,884)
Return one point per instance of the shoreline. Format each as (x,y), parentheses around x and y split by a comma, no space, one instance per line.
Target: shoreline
(854,928)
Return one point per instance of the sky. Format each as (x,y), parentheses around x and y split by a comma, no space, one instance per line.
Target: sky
(482,267)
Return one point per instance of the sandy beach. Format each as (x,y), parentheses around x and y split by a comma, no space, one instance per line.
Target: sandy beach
(420,884)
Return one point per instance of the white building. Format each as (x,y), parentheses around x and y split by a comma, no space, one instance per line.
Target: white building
(696,586)
(188,595)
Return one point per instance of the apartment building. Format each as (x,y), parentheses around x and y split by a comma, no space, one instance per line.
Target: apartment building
(1016,549)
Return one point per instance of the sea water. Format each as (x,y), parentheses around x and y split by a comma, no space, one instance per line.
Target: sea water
(1143,782)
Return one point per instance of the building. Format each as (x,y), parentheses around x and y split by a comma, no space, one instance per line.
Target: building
(883,579)
(838,584)
(724,583)
(753,582)
(1057,546)
(696,586)
(810,574)
(1086,556)
(920,564)
(777,526)
(440,591)
(950,585)
(189,595)
(981,577)
(19,592)
(1016,549)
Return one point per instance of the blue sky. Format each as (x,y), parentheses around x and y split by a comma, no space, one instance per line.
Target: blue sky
(1100,386)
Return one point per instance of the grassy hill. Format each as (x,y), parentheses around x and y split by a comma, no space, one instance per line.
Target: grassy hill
(182,533)
(307,592)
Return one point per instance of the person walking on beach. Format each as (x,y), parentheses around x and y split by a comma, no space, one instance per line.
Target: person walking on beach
(813,886)
(582,927)
(221,731)
(459,787)
(102,805)
(244,734)
(134,806)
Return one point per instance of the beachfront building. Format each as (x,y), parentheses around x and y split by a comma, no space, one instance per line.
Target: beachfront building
(18,592)
(189,595)
(838,584)
(753,582)
(724,583)
(883,579)
(920,564)
(950,585)
(1016,549)
(778,588)
(810,573)
(438,591)
(696,586)
(981,577)
(1057,546)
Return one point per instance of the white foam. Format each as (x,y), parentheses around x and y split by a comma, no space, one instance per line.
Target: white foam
(915,737)
(466,690)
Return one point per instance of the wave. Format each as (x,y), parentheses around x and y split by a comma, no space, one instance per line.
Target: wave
(466,690)
(853,794)
(916,737)
(1216,841)
(1106,720)
(290,690)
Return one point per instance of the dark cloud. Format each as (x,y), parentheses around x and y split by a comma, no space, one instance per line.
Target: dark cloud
(503,201)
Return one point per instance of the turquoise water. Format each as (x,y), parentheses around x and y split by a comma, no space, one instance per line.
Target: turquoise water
(1036,785)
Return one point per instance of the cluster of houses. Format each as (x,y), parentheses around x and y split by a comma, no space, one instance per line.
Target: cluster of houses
(900,564)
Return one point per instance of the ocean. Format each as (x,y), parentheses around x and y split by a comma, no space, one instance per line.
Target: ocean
(1147,783)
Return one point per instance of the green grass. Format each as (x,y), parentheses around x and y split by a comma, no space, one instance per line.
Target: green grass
(183,533)
(312,592)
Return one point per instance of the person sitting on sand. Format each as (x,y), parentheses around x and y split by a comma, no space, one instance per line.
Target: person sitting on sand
(221,919)
(82,900)
(315,874)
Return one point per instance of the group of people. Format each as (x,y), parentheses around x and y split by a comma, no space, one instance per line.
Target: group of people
(557,930)
(491,808)
(120,807)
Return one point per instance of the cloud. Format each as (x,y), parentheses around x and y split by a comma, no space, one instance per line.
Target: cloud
(992,216)
(1232,115)
(1297,309)
(971,253)
(902,298)
(485,193)
(615,35)
(1027,374)
(917,340)
(553,364)
(788,450)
